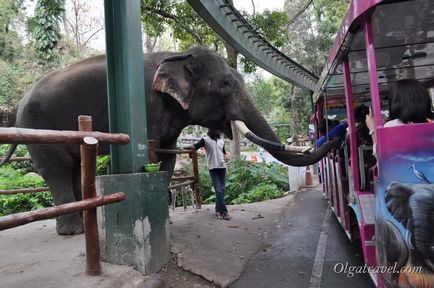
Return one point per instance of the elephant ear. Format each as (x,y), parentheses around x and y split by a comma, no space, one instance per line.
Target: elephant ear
(397,199)
(175,76)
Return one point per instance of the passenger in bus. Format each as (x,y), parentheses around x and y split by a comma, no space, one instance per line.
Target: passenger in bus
(364,139)
(362,131)
(409,102)
(322,126)
(338,131)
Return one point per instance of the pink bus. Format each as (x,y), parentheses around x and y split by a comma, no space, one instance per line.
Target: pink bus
(382,194)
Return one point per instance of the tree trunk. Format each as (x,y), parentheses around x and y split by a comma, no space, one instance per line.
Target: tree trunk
(66,28)
(149,43)
(295,117)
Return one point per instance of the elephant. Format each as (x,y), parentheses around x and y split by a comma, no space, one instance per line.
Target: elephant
(413,206)
(196,87)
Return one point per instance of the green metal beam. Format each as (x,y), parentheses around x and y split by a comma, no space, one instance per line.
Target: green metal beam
(233,28)
(126,90)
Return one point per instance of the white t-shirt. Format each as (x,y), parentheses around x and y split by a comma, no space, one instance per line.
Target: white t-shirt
(214,152)
(394,122)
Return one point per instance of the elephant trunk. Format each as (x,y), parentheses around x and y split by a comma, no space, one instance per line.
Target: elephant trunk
(258,131)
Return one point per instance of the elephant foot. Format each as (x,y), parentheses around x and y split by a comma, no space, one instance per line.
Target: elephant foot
(70,224)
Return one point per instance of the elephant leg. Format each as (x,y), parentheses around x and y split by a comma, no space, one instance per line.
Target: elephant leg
(76,178)
(57,166)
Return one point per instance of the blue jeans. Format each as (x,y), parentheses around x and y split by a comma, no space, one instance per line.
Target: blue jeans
(218,181)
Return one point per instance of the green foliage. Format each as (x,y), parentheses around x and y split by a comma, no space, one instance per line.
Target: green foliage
(23,167)
(102,164)
(264,191)
(10,90)
(10,204)
(11,178)
(14,179)
(9,12)
(248,182)
(271,25)
(329,15)
(185,25)
(15,176)
(45,29)
(20,151)
(273,97)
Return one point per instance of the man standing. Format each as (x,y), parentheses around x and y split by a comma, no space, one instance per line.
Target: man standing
(215,154)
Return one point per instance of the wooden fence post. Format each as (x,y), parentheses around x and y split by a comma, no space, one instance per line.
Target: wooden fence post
(88,153)
(196,188)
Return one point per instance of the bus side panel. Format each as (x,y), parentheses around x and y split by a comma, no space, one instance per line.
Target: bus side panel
(404,199)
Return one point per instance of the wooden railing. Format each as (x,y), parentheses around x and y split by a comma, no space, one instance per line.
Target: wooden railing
(192,180)
(88,151)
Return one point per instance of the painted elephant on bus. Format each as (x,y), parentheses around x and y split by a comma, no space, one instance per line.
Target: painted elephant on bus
(412,205)
(192,88)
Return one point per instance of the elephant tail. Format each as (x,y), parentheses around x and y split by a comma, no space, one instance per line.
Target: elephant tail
(8,155)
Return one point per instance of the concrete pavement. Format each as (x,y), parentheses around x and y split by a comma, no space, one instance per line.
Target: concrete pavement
(33,255)
(291,251)
(267,244)
(219,250)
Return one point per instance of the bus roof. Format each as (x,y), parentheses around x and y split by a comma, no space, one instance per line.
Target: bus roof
(404,47)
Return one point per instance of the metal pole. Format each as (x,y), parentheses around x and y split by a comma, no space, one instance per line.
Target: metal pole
(126,88)
(88,153)
(351,124)
(373,77)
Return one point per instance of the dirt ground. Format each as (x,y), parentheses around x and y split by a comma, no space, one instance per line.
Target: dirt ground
(176,277)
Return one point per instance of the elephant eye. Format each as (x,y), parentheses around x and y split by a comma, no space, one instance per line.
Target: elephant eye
(226,83)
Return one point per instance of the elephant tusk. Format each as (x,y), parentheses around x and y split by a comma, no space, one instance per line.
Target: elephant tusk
(267,144)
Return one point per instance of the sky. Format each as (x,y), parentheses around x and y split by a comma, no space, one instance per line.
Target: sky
(260,5)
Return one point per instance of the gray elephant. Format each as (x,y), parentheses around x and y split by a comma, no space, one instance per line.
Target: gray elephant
(193,88)
(413,206)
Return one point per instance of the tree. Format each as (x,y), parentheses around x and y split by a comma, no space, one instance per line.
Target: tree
(80,25)
(329,15)
(311,32)
(9,12)
(45,29)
